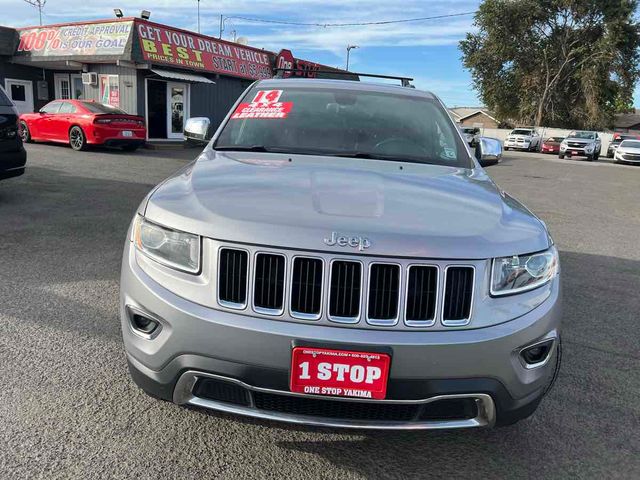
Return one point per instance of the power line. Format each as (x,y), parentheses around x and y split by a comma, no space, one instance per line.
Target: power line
(382,22)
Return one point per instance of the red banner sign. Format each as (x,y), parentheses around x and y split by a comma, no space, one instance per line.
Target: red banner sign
(161,44)
(304,68)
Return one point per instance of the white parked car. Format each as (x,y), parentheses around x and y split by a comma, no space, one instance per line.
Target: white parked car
(523,139)
(628,152)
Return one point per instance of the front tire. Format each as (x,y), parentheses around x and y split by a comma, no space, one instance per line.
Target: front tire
(77,139)
(561,156)
(25,134)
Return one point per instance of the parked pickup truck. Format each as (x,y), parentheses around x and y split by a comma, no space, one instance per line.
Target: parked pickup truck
(523,139)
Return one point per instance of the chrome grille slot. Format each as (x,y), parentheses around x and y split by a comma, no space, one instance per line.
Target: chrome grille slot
(232,278)
(268,286)
(422,288)
(306,288)
(384,294)
(344,295)
(458,295)
(359,291)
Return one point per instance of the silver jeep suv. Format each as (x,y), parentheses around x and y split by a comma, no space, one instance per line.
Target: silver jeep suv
(337,256)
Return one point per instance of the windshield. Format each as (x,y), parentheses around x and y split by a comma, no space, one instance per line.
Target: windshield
(95,107)
(346,123)
(471,131)
(519,131)
(630,144)
(584,135)
(555,139)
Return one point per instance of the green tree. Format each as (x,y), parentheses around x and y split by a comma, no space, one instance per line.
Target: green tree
(571,63)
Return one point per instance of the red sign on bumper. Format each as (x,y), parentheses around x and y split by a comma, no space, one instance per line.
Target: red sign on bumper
(343,373)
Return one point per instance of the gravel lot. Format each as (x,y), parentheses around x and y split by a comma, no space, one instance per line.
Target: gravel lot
(69,410)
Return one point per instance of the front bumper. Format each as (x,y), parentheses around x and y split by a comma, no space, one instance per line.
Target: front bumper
(12,164)
(197,342)
(576,152)
(515,144)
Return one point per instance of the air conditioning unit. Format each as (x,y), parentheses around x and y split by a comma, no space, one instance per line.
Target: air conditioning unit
(90,78)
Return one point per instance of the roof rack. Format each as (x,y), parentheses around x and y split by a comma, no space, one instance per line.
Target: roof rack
(404,81)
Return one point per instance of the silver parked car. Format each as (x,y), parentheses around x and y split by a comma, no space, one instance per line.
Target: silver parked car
(337,256)
(581,144)
(628,152)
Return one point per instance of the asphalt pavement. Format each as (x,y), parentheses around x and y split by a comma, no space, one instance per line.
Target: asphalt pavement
(68,408)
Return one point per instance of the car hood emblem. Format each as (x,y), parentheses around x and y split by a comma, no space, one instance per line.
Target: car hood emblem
(359,242)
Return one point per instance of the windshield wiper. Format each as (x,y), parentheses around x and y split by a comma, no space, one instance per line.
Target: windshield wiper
(377,156)
(243,148)
(373,156)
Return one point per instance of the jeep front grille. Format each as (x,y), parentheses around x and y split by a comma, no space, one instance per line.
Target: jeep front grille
(384,293)
(232,279)
(458,295)
(306,288)
(344,294)
(360,291)
(268,290)
(422,288)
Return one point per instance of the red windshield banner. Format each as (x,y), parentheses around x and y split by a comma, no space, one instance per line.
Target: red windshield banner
(265,104)
(165,45)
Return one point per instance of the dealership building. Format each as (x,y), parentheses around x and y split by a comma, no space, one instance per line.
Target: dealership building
(162,73)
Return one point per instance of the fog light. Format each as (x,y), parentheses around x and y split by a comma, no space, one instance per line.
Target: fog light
(142,323)
(537,355)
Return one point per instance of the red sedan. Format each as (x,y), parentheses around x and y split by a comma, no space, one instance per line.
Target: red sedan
(81,123)
(551,145)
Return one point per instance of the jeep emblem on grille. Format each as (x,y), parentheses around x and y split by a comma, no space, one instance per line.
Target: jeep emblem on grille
(361,243)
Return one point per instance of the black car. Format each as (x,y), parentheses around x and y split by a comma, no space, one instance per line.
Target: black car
(13,157)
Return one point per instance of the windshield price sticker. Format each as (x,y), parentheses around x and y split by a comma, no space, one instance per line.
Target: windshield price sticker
(265,104)
(319,371)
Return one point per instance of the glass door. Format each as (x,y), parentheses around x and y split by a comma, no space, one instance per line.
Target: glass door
(177,108)
(63,86)
(77,88)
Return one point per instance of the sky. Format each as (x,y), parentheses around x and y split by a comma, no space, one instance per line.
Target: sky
(427,50)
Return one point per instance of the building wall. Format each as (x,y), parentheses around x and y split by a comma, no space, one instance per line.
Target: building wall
(479,119)
(32,74)
(214,101)
(128,83)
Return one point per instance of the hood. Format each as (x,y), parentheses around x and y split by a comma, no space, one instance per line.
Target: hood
(296,201)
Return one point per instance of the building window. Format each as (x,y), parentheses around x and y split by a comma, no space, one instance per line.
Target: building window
(18,93)
(110,90)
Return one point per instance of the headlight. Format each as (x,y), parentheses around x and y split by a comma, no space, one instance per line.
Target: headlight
(172,248)
(520,273)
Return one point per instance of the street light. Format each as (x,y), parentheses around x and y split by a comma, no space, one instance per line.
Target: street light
(145,14)
(118,12)
(349,48)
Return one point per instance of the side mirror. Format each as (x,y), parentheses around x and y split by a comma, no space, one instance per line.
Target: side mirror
(488,151)
(41,112)
(196,130)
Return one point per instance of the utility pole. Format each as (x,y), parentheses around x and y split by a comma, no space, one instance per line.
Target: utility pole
(39,4)
(349,48)
(198,16)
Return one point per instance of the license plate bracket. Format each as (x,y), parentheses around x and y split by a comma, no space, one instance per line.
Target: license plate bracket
(342,373)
